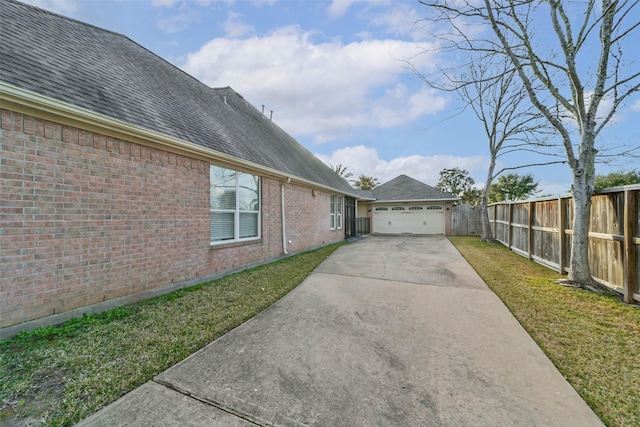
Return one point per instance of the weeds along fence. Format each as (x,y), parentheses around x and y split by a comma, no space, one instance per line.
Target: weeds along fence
(541,229)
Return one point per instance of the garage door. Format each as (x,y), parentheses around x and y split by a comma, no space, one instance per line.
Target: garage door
(423,219)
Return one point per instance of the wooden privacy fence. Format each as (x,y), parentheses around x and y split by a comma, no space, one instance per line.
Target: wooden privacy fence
(465,220)
(541,229)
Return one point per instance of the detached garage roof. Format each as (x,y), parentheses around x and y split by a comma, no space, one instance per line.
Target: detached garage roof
(109,74)
(407,189)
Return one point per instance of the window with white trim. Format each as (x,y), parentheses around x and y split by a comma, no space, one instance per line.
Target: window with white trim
(234,205)
(336,212)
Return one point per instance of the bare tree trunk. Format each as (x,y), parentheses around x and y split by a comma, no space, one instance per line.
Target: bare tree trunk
(579,265)
(583,183)
(487,234)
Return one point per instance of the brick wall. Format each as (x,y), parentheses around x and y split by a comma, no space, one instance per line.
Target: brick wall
(307,218)
(86,218)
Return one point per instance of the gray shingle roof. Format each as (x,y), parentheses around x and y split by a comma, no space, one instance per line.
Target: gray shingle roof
(406,188)
(109,74)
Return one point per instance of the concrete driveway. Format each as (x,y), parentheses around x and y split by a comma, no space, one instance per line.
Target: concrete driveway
(388,331)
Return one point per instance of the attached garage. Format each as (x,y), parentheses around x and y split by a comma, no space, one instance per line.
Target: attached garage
(407,206)
(409,219)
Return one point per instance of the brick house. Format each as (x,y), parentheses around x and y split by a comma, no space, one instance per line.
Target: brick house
(122,177)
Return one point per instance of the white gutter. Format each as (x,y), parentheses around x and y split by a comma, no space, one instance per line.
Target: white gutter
(31,103)
(416,201)
(284,227)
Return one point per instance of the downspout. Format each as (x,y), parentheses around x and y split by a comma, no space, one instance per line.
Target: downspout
(284,228)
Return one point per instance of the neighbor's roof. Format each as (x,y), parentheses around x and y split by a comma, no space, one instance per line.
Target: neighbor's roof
(404,188)
(109,74)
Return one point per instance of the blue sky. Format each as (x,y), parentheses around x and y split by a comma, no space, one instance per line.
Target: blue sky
(333,72)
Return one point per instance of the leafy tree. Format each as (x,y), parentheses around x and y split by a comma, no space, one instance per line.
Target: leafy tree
(457,181)
(472,197)
(365,183)
(513,187)
(573,60)
(616,179)
(341,170)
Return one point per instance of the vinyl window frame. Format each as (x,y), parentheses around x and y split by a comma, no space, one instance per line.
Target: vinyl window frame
(335,212)
(237,210)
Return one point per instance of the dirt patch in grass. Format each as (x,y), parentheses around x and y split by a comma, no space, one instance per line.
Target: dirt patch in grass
(594,340)
(61,374)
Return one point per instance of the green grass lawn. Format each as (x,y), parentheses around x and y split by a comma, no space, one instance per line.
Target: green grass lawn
(61,374)
(594,340)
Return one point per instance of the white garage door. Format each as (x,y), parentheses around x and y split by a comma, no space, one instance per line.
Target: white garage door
(418,219)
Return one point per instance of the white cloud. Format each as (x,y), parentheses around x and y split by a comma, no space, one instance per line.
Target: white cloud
(178,22)
(164,3)
(636,106)
(400,20)
(365,160)
(234,27)
(63,7)
(172,3)
(325,89)
(362,160)
(261,3)
(338,8)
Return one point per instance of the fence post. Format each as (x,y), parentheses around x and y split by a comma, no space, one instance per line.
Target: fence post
(495,221)
(509,229)
(531,207)
(562,219)
(630,266)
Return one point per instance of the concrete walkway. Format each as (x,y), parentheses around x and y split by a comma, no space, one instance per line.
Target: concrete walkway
(388,331)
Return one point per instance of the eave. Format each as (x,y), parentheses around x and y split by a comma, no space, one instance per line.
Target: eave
(31,103)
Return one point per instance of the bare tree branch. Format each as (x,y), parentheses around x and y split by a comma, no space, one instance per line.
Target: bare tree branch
(569,57)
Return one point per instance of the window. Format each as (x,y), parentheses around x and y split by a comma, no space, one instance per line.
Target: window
(415,208)
(235,205)
(397,208)
(381,209)
(336,212)
(434,208)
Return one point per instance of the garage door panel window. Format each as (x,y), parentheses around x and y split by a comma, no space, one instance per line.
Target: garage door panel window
(234,205)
